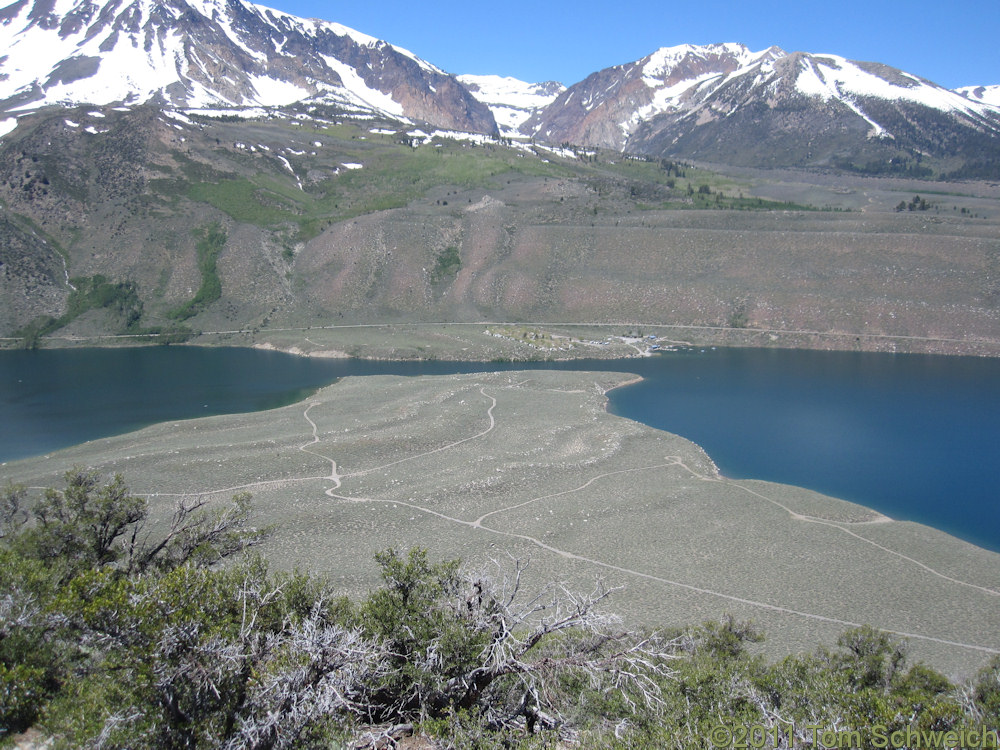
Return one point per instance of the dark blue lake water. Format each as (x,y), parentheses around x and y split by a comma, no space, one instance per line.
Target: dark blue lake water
(916,437)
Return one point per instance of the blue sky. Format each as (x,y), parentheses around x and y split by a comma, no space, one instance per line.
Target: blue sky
(951,43)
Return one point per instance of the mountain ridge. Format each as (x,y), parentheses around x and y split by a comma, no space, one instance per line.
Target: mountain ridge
(729,104)
(205,53)
(717,102)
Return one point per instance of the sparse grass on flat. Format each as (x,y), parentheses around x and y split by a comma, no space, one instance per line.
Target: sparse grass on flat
(545,473)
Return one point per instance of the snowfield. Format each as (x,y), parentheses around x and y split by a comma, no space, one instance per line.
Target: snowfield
(511,100)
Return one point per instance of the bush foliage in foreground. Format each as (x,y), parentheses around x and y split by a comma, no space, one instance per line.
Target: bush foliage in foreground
(119,633)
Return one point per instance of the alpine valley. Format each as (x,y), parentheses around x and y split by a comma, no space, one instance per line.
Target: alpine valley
(183,166)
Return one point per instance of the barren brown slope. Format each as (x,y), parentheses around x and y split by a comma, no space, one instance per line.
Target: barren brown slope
(526,256)
(325,222)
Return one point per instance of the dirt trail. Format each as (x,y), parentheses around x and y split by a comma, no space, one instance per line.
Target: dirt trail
(479,524)
(670,461)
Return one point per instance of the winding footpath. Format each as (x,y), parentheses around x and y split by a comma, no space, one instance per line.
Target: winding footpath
(670,461)
(480,524)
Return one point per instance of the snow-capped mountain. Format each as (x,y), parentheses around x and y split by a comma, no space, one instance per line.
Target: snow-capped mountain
(726,102)
(604,108)
(720,102)
(210,53)
(512,101)
(986,94)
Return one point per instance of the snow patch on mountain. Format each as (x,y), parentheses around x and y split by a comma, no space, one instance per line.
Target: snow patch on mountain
(511,100)
(681,76)
(493,89)
(197,54)
(985,94)
(82,65)
(277,92)
(357,87)
(7,126)
(834,77)
(685,75)
(814,80)
(666,61)
(670,97)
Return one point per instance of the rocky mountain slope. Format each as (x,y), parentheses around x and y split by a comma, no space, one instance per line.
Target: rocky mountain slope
(720,103)
(209,165)
(152,224)
(215,53)
(606,107)
(728,104)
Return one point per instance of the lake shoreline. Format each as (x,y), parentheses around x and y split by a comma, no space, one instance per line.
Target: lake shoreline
(481,342)
(744,424)
(434,460)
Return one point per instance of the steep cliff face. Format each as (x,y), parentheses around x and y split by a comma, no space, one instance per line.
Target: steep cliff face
(32,282)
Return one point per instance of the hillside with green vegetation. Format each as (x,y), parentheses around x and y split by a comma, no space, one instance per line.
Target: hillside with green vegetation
(305,220)
(116,638)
